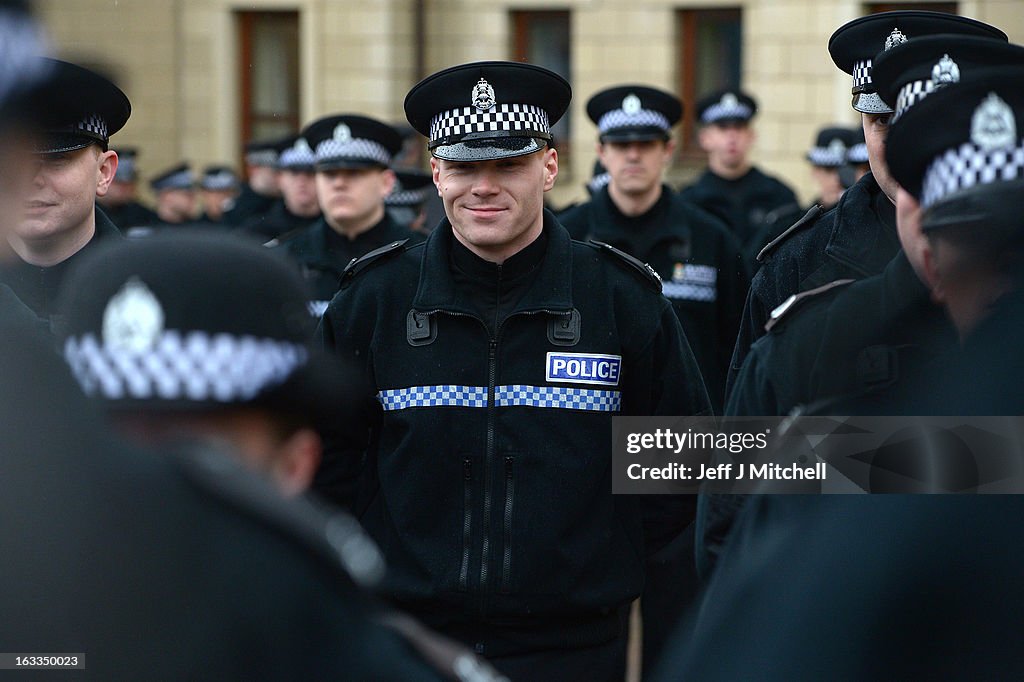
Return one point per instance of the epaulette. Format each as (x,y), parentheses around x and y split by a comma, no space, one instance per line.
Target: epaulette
(333,536)
(797,300)
(357,265)
(650,275)
(812,214)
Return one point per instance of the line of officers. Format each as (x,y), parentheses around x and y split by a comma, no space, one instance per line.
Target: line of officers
(441,502)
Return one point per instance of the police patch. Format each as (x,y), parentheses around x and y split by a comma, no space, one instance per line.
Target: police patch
(583,368)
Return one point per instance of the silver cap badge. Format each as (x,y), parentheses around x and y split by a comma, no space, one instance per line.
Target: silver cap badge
(483,95)
(631,104)
(993,125)
(133,319)
(895,38)
(342,133)
(945,71)
(729,100)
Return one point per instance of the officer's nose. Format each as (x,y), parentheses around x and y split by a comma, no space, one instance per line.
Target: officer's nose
(484,182)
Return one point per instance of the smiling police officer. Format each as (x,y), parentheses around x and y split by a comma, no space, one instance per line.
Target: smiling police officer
(484,468)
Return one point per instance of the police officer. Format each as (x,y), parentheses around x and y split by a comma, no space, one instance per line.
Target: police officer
(962,186)
(858,237)
(502,331)
(812,356)
(353,154)
(696,256)
(261,188)
(78,110)
(120,202)
(298,208)
(218,189)
(731,186)
(175,191)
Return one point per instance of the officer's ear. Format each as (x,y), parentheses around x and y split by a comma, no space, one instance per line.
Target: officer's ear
(550,168)
(298,457)
(932,272)
(105,170)
(388,180)
(435,171)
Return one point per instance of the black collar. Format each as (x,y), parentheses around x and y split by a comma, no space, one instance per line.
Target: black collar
(551,288)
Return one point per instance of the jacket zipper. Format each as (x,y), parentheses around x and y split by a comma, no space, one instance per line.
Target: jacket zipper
(485,550)
(506,563)
(467,521)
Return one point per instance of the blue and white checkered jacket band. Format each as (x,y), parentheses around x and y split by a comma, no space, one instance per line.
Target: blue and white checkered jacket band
(501,117)
(515,395)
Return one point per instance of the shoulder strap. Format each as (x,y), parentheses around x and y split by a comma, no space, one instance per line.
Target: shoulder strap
(797,300)
(810,217)
(647,273)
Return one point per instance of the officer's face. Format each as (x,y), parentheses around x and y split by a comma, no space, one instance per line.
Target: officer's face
(496,207)
(908,226)
(299,192)
(635,167)
(353,198)
(63,192)
(830,187)
(728,144)
(176,205)
(214,202)
(876,129)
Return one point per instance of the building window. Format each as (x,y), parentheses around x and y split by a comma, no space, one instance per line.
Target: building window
(710,57)
(876,7)
(269,64)
(542,38)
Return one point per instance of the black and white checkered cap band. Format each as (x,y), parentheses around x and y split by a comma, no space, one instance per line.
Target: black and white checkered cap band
(191,366)
(263,157)
(507,118)
(219,181)
(968,166)
(911,94)
(180,180)
(356,149)
(297,157)
(645,118)
(93,125)
(599,181)
(718,112)
(858,153)
(825,156)
(21,45)
(409,197)
(862,76)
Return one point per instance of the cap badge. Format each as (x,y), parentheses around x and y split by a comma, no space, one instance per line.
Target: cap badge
(678,272)
(133,318)
(945,71)
(895,38)
(302,146)
(483,95)
(729,100)
(836,146)
(342,133)
(631,104)
(993,125)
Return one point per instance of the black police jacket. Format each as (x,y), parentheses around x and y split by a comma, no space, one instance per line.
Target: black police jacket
(323,254)
(276,223)
(700,264)
(854,240)
(131,214)
(247,204)
(487,478)
(873,337)
(742,203)
(38,287)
